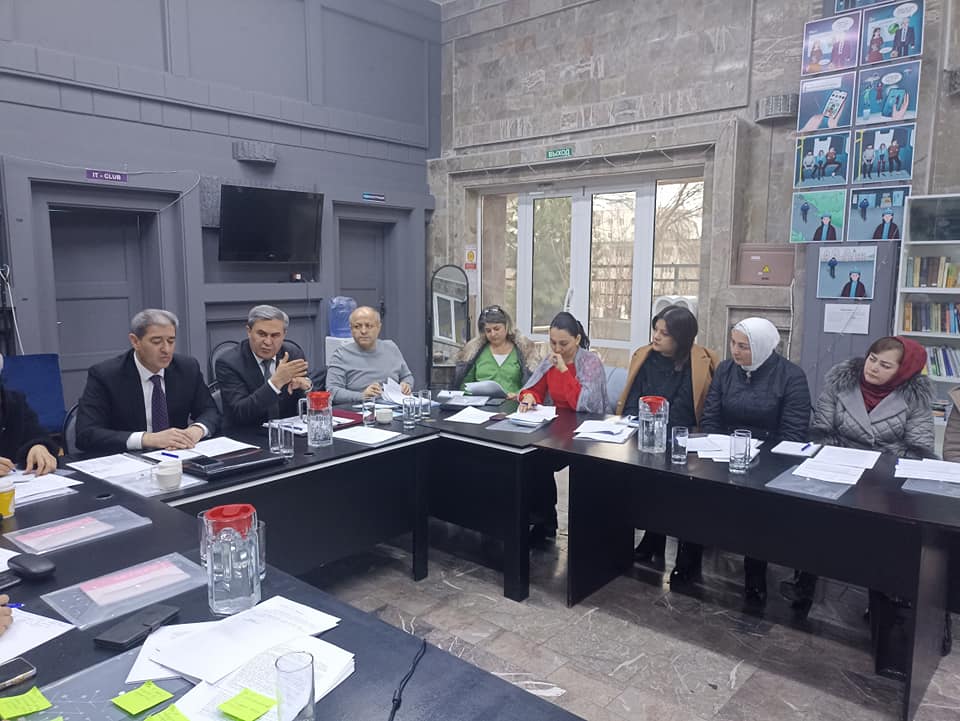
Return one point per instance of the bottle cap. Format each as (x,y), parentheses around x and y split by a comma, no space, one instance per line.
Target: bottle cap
(318,400)
(238,516)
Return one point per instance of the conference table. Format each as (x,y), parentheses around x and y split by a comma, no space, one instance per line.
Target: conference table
(443,687)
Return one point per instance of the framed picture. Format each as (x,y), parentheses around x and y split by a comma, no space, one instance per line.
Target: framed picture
(892,32)
(826,103)
(822,160)
(831,44)
(888,93)
(884,155)
(876,212)
(817,216)
(847,271)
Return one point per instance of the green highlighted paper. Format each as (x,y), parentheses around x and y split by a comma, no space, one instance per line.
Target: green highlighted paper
(26,703)
(247,705)
(170,713)
(140,699)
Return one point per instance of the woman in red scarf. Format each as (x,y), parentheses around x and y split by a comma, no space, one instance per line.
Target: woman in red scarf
(880,402)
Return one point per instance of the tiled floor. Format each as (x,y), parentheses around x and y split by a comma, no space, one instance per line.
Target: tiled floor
(635,650)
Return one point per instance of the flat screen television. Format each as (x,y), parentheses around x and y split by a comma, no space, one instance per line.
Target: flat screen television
(273,226)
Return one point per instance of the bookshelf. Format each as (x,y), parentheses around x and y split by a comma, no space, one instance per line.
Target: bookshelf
(928,285)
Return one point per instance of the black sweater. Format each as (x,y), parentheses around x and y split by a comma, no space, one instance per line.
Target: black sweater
(20,429)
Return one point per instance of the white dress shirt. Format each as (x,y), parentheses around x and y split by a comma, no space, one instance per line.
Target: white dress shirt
(135,440)
(272,368)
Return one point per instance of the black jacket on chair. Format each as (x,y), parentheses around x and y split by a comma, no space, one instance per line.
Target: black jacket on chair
(773,402)
(112,407)
(20,429)
(247,399)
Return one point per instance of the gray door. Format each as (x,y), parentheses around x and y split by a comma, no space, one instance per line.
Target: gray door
(98,274)
(362,250)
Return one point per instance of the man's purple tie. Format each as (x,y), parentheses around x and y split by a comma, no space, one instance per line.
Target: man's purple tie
(158,406)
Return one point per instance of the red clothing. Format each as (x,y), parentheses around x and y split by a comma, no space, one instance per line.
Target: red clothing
(911,364)
(564,388)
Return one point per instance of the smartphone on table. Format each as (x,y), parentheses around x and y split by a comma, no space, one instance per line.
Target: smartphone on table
(16,671)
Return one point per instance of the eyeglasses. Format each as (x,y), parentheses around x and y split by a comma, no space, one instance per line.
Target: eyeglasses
(491,309)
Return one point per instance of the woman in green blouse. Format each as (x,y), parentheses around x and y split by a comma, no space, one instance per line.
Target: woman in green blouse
(499,354)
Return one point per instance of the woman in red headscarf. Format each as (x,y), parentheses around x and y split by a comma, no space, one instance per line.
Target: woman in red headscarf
(880,402)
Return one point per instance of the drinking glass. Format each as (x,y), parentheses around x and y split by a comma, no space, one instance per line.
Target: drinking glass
(740,448)
(678,444)
(295,687)
(203,538)
(368,409)
(286,441)
(273,428)
(426,402)
(262,548)
(410,408)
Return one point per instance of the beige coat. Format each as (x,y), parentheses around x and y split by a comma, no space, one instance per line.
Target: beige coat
(703,362)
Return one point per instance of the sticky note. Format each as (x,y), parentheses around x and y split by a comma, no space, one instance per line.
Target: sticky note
(170,713)
(140,699)
(247,705)
(26,703)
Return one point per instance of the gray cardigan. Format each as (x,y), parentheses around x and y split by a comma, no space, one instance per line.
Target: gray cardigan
(901,424)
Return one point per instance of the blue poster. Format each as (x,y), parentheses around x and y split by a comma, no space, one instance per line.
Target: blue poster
(891,32)
(831,44)
(826,103)
(847,271)
(888,94)
(843,6)
(876,213)
(822,160)
(884,155)
(817,216)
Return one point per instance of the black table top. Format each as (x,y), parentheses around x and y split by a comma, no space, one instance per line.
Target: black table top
(563,424)
(877,492)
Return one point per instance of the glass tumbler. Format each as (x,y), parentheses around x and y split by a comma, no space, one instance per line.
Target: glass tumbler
(740,447)
(678,444)
(295,687)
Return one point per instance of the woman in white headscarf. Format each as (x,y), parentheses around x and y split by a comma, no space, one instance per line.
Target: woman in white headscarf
(760,390)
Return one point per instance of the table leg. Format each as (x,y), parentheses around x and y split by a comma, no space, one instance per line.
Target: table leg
(928,620)
(516,542)
(421,513)
(600,534)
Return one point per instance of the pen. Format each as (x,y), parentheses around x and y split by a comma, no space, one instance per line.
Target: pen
(13,605)
(805,447)
(170,455)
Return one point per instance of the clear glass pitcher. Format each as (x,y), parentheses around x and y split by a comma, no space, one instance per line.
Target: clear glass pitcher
(233,558)
(654,415)
(316,413)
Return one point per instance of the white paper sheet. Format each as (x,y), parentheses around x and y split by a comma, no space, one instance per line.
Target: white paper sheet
(30,487)
(107,467)
(928,470)
(470,415)
(534,416)
(853,457)
(846,318)
(622,435)
(215,652)
(492,389)
(331,665)
(704,443)
(795,448)
(392,393)
(365,435)
(5,556)
(143,668)
(830,472)
(212,447)
(28,631)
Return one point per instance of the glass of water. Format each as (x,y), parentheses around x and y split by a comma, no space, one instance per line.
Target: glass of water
(426,402)
(678,444)
(368,410)
(273,428)
(740,448)
(411,407)
(286,441)
(295,700)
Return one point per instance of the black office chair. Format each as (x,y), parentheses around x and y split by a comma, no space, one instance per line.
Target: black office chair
(218,350)
(296,345)
(214,388)
(70,430)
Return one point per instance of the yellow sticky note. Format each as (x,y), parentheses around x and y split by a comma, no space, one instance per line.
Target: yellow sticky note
(26,703)
(247,705)
(140,699)
(170,713)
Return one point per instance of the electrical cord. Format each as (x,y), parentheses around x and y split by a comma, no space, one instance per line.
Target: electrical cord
(398,694)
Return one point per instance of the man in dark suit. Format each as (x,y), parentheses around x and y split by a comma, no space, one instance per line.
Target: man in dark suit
(148,397)
(904,39)
(263,377)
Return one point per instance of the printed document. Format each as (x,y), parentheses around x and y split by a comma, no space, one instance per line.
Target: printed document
(28,631)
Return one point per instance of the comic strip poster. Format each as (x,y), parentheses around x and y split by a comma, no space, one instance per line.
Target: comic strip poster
(884,155)
(831,44)
(876,212)
(892,32)
(822,160)
(817,216)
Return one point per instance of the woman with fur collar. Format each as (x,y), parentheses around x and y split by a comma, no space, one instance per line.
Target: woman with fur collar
(881,403)
(500,353)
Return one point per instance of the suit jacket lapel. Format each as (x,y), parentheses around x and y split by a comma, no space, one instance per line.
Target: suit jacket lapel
(133,388)
(252,370)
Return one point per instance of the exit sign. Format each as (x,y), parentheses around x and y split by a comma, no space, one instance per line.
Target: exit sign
(559,153)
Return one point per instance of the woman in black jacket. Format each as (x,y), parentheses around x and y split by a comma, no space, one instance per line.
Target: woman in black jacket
(23,442)
(760,390)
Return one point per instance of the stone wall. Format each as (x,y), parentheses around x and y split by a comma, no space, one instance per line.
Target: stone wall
(652,86)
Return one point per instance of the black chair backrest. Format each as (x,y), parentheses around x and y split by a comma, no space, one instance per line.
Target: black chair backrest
(70,430)
(218,350)
(215,392)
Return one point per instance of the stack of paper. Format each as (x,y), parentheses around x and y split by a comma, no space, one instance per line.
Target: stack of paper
(28,631)
(534,416)
(462,401)
(795,448)
(145,669)
(837,465)
(716,447)
(211,448)
(491,389)
(222,647)
(928,470)
(470,415)
(611,431)
(392,393)
(365,434)
(30,488)
(107,468)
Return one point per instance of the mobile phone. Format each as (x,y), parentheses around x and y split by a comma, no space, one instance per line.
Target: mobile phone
(16,671)
(893,101)
(835,104)
(8,579)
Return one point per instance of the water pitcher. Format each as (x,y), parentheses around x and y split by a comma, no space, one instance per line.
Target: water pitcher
(316,413)
(654,414)
(233,565)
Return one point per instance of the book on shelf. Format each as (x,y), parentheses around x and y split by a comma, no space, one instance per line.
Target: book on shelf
(921,317)
(931,271)
(943,362)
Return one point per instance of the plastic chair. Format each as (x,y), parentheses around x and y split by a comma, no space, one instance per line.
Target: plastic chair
(616,380)
(69,432)
(37,376)
(218,350)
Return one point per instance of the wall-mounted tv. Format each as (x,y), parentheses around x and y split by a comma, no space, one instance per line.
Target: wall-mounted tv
(265,225)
